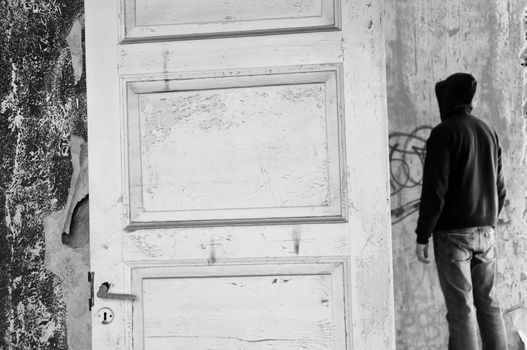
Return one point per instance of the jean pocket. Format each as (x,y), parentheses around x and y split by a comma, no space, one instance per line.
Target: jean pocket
(459,255)
(450,251)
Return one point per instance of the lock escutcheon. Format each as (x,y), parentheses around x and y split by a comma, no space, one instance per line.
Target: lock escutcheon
(105,315)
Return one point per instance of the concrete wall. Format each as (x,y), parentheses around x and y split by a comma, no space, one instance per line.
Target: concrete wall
(427,41)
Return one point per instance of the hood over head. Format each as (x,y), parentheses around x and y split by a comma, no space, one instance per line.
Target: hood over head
(454,93)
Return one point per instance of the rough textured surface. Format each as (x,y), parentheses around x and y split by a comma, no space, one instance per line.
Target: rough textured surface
(367,239)
(427,41)
(67,250)
(42,103)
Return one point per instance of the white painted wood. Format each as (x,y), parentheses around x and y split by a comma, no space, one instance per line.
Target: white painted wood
(302,307)
(237,149)
(294,311)
(154,19)
(209,11)
(231,54)
(125,85)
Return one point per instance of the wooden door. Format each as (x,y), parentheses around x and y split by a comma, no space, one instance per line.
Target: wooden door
(238,174)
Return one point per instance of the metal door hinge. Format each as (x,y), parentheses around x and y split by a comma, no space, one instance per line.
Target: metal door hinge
(91,301)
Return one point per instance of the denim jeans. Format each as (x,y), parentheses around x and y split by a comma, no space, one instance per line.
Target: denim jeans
(466,265)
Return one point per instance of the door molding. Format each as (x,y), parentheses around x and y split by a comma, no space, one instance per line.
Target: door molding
(323,195)
(180,20)
(329,273)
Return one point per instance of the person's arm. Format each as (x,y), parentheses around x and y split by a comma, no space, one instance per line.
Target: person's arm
(435,184)
(421,251)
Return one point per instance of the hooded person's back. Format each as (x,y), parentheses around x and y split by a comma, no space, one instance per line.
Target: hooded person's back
(462,180)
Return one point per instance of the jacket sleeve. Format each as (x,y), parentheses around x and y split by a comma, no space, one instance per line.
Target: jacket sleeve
(500,182)
(435,184)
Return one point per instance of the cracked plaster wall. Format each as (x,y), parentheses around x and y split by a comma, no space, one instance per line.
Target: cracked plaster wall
(43,176)
(427,41)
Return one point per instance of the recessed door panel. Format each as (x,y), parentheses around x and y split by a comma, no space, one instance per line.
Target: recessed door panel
(261,306)
(149,19)
(252,148)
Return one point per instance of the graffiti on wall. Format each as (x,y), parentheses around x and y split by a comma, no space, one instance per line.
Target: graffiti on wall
(407,156)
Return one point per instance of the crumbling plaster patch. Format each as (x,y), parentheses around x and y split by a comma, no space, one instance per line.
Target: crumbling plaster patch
(74,40)
(71,264)
(67,230)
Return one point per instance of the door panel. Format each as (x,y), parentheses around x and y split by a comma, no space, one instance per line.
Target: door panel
(302,307)
(239,184)
(155,19)
(251,147)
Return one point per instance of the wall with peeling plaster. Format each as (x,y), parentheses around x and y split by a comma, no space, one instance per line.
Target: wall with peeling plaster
(427,41)
(43,164)
(43,176)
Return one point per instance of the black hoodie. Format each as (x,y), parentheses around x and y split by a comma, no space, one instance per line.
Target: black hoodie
(462,179)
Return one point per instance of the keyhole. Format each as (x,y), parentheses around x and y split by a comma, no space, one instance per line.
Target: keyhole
(105,315)
(106,318)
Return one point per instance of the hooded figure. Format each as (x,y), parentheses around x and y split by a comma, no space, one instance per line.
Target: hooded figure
(462,179)
(455,93)
(462,195)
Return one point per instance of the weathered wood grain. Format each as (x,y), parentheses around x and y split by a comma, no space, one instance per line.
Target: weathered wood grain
(154,19)
(244,147)
(221,305)
(203,82)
